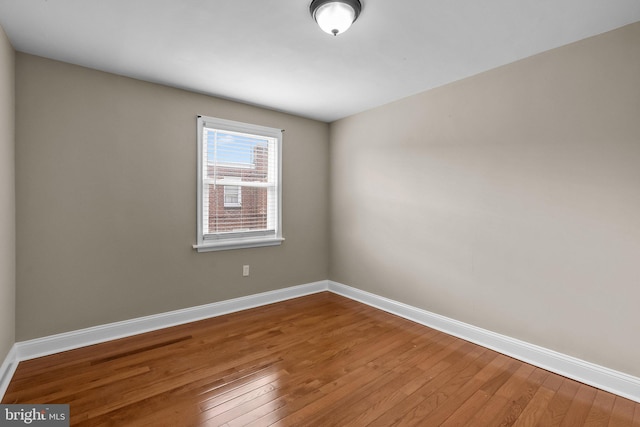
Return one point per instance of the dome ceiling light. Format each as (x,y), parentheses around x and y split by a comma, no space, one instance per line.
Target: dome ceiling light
(335,17)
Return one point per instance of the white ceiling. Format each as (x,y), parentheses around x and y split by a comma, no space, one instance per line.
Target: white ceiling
(272,54)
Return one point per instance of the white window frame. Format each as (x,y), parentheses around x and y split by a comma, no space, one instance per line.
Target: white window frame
(238,240)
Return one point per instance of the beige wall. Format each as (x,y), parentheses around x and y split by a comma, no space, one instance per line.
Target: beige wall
(509,200)
(7,197)
(106,201)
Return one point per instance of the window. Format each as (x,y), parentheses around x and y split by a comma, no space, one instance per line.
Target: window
(239,191)
(232,195)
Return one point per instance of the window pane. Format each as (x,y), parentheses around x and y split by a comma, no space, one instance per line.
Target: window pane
(233,152)
(249,215)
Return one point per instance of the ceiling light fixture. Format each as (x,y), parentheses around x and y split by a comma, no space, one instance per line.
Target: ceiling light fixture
(335,16)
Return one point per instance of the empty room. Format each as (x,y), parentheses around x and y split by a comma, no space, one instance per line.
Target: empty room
(320,213)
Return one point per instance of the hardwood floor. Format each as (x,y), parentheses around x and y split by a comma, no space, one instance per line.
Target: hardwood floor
(320,360)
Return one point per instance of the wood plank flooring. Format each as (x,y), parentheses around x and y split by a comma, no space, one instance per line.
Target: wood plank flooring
(320,360)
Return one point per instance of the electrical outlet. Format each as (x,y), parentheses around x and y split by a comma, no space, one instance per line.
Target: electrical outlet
(245,270)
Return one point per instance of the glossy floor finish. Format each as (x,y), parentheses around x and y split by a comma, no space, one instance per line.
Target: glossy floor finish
(320,360)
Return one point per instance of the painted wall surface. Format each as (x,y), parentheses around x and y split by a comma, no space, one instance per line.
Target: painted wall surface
(7,197)
(509,200)
(106,201)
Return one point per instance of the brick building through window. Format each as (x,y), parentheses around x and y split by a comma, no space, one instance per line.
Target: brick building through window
(234,206)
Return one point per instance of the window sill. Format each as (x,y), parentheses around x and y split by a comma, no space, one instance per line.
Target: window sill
(238,244)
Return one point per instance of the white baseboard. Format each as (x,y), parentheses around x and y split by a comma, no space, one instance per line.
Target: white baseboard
(598,376)
(7,369)
(75,339)
(586,372)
